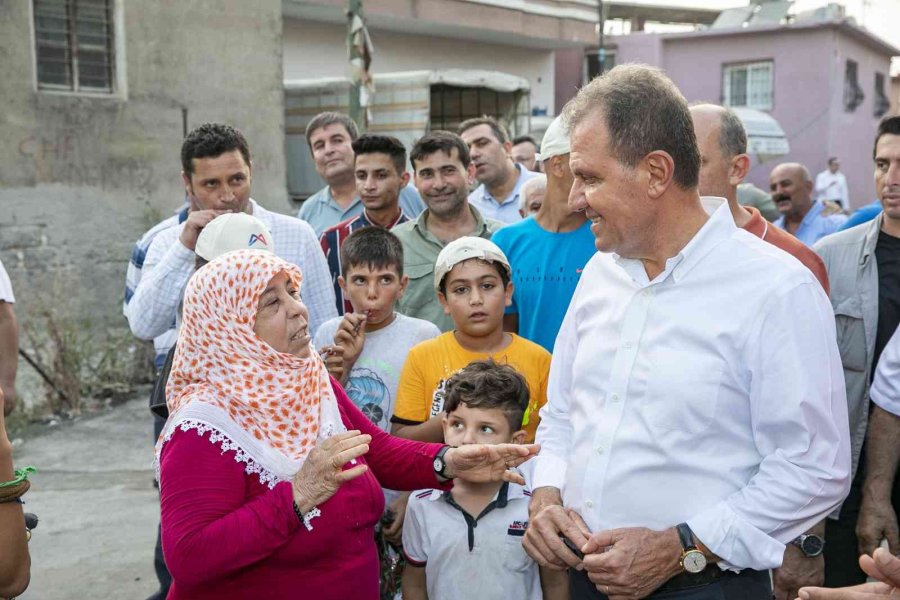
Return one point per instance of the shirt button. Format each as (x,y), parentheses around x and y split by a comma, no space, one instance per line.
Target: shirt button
(589,504)
(600,450)
(614,397)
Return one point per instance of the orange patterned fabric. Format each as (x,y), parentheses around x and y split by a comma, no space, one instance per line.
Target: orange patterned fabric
(269,406)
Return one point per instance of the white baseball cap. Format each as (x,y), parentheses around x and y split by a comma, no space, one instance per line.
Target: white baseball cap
(465,248)
(556,139)
(232,231)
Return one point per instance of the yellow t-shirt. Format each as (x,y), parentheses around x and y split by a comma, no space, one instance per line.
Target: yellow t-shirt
(420,393)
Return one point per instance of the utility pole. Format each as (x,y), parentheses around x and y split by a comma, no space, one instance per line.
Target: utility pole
(601,50)
(354,10)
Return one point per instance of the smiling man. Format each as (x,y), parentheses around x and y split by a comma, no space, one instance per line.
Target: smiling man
(443,171)
(380,178)
(694,425)
(501,179)
(801,216)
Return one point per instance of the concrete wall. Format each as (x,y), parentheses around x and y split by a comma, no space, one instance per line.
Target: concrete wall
(808,90)
(316,49)
(82,177)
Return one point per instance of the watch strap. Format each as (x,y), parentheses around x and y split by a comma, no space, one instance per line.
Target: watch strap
(440,456)
(686,536)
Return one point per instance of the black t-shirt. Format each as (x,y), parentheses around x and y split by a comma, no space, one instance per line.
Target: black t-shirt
(887,256)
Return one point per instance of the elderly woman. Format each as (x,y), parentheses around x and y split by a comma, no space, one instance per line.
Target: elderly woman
(270,477)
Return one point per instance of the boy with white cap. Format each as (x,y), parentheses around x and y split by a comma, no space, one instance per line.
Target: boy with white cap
(472,281)
(548,250)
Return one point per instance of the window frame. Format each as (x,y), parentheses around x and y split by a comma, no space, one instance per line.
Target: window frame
(746,66)
(118,89)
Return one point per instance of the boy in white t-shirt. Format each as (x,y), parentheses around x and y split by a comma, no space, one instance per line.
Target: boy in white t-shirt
(374,338)
(467,543)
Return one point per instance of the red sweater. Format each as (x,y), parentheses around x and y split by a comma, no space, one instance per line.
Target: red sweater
(227,536)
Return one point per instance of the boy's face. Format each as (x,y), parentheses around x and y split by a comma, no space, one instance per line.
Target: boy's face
(373,290)
(475,297)
(478,426)
(377,181)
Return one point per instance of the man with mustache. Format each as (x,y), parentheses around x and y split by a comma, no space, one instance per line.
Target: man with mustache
(863,266)
(801,216)
(442,170)
(501,179)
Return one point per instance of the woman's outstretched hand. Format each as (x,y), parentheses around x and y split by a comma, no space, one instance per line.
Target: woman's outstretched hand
(488,462)
(323,471)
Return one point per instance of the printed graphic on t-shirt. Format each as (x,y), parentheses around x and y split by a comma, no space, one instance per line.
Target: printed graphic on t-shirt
(370,395)
(437,399)
(517,528)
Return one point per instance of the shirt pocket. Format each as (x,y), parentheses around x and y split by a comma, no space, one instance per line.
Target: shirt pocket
(514,556)
(683,395)
(420,291)
(851,334)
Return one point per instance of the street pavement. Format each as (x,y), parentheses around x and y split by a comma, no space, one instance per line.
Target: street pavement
(97,506)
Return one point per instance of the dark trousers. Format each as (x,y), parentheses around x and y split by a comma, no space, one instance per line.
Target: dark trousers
(841,544)
(159,563)
(746,585)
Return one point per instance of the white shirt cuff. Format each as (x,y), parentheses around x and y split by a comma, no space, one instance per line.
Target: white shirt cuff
(737,543)
(548,471)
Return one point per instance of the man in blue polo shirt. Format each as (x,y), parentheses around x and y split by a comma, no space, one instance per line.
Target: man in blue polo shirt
(501,179)
(548,250)
(801,216)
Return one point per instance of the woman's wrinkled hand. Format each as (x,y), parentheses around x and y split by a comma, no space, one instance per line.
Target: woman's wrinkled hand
(323,471)
(488,462)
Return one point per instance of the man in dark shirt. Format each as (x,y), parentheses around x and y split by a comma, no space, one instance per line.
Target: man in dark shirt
(865,294)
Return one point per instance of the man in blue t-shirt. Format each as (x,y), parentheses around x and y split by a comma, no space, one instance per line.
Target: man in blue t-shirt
(548,250)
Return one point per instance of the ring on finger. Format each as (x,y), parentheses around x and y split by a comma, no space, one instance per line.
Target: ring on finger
(607,590)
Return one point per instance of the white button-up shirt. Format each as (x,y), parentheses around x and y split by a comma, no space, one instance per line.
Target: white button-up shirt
(169,264)
(712,395)
(885,390)
(832,186)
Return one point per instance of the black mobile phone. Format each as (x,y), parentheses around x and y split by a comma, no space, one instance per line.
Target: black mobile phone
(571,546)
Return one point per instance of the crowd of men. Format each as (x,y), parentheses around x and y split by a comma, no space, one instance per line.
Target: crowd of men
(699,377)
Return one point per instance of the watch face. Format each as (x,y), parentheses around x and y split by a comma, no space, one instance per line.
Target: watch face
(812,545)
(693,561)
(438,465)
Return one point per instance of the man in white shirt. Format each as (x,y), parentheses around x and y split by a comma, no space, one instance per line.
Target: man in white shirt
(696,409)
(832,185)
(501,179)
(216,174)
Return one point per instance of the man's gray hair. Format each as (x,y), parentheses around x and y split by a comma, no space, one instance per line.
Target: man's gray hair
(329,118)
(538,182)
(732,135)
(643,112)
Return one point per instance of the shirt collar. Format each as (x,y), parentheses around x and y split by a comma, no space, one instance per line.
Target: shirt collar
(328,199)
(364,217)
(514,194)
(420,225)
(717,228)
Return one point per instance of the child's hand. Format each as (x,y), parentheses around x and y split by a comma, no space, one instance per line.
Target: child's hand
(333,356)
(394,532)
(351,336)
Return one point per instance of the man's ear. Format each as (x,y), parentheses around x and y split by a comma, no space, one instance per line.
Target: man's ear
(404,179)
(470,174)
(660,170)
(519,437)
(507,146)
(443,300)
(740,166)
(342,283)
(404,281)
(554,166)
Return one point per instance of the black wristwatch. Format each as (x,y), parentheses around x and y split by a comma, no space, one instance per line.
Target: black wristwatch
(439,464)
(692,559)
(810,544)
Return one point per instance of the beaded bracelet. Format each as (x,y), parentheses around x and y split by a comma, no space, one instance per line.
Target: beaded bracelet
(20,476)
(308,517)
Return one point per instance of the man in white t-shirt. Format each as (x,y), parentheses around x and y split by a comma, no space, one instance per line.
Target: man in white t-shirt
(9,342)
(832,185)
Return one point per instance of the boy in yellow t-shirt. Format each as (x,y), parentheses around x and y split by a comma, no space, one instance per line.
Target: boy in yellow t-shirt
(472,280)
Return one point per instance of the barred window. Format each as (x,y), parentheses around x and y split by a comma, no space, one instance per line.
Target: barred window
(748,85)
(74,47)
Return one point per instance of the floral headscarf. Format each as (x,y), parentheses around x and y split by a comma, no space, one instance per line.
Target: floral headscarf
(269,406)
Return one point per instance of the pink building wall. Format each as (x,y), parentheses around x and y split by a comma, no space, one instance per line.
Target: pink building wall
(809,63)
